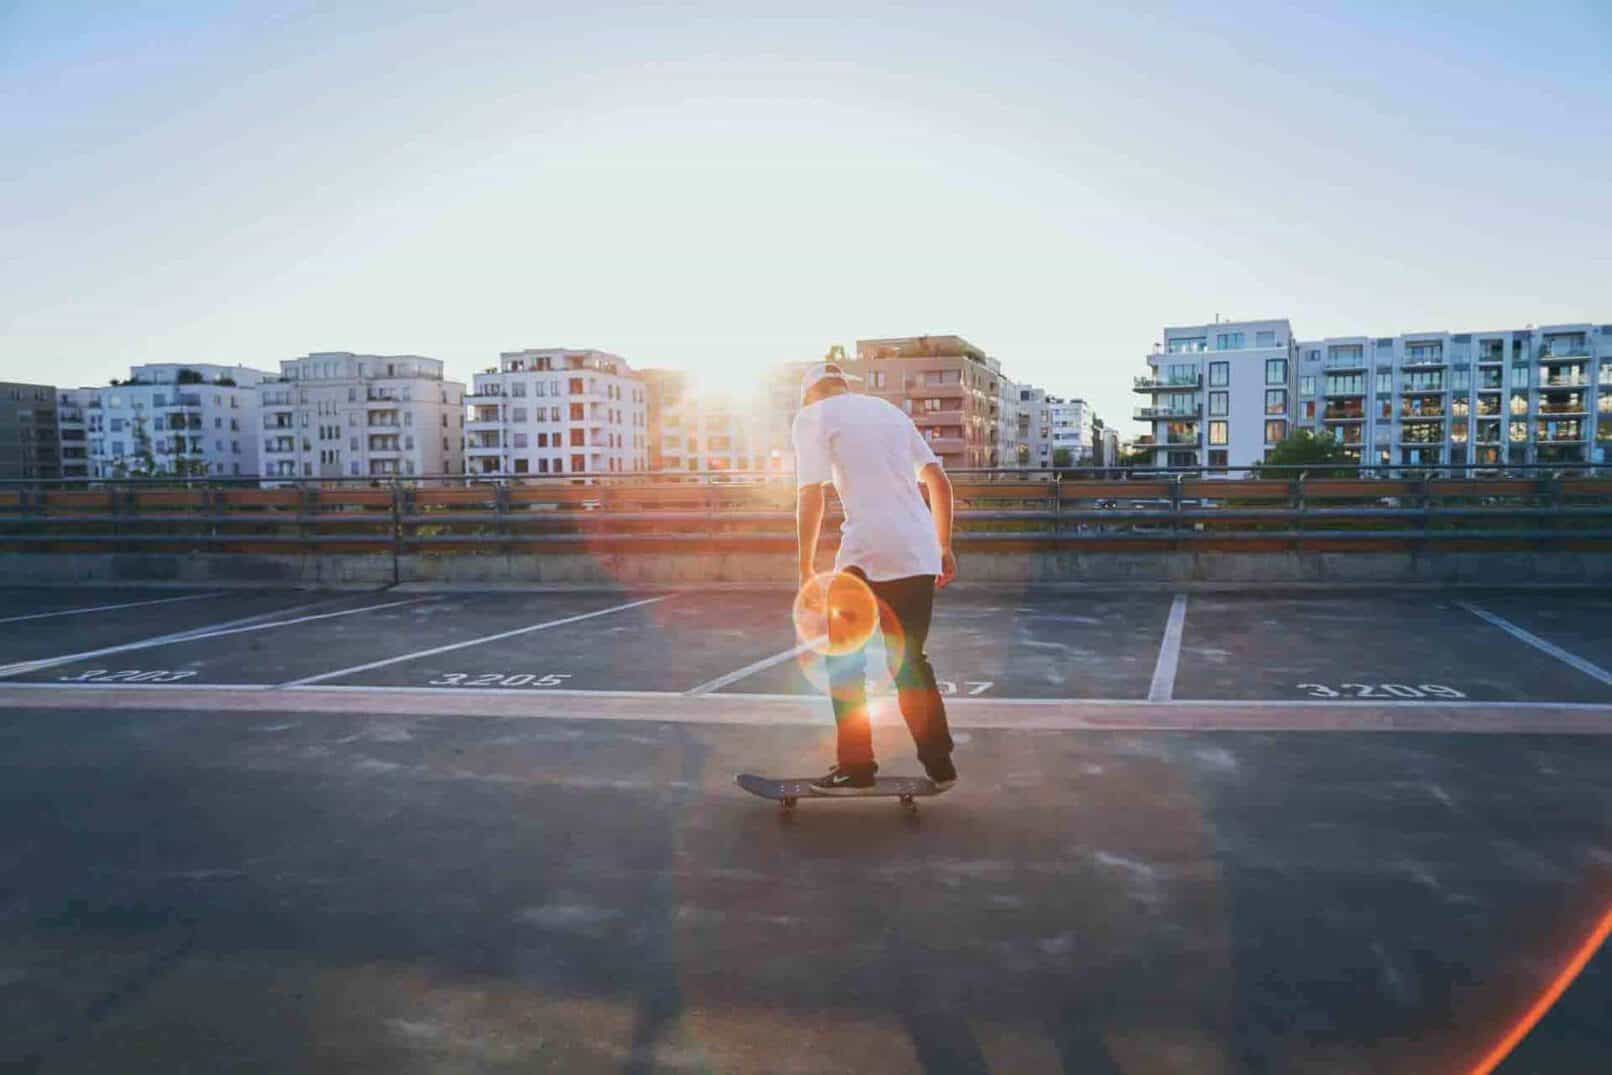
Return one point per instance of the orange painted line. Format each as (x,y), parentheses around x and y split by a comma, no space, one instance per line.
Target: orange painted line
(1548,998)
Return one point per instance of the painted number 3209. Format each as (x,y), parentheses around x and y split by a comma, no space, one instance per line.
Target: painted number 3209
(1380,690)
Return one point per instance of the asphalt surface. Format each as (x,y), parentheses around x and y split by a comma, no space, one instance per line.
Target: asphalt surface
(204,869)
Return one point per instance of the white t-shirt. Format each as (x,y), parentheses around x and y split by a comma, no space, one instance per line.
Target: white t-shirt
(872,453)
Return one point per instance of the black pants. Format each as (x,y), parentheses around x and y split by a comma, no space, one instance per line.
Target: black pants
(905,608)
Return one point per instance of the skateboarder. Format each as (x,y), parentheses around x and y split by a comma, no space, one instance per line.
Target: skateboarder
(876,458)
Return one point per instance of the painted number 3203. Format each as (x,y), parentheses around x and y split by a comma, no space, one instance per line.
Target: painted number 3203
(1380,690)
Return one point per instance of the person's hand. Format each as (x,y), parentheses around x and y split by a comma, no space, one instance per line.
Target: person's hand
(948,568)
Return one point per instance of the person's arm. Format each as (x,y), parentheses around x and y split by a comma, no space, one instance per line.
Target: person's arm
(933,477)
(808,528)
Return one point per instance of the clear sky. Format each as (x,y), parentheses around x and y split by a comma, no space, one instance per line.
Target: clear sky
(701,185)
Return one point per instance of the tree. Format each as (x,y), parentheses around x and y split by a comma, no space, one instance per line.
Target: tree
(1320,454)
(145,462)
(1061,457)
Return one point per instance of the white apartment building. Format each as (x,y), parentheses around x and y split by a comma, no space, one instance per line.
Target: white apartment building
(173,418)
(557,411)
(1071,429)
(73,406)
(335,414)
(1513,396)
(1241,371)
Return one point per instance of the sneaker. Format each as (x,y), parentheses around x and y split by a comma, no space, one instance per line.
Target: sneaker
(840,782)
(942,774)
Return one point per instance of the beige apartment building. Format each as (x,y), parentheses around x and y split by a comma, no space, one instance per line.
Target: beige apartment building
(951,388)
(335,414)
(745,427)
(556,410)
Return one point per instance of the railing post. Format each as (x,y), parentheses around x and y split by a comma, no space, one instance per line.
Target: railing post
(1298,503)
(501,506)
(307,501)
(397,529)
(1057,503)
(1175,509)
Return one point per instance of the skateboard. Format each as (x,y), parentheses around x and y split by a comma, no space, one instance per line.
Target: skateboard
(788,791)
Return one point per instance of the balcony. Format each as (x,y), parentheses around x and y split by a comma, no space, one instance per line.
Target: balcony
(1166,414)
(483,449)
(1156,384)
(1547,384)
(1192,439)
(946,418)
(1569,408)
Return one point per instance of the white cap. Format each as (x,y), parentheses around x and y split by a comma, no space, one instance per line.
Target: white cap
(822,371)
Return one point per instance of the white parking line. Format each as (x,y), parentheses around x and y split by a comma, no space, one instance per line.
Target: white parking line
(750,669)
(22,667)
(1589,668)
(109,608)
(1163,686)
(814,700)
(470,642)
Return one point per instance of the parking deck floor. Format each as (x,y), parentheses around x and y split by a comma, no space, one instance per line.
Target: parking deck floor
(496,831)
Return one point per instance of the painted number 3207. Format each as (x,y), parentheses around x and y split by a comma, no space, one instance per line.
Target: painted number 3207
(1380,690)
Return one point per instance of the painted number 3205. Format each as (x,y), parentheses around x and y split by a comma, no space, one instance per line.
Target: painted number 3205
(1380,690)
(499,679)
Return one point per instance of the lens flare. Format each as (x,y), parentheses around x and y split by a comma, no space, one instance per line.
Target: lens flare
(839,615)
(835,614)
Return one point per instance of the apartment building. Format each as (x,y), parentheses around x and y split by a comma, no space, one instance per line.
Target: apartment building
(951,388)
(174,419)
(557,411)
(1242,372)
(1032,433)
(1010,409)
(336,414)
(1071,440)
(29,444)
(72,425)
(740,427)
(1505,397)
(1105,445)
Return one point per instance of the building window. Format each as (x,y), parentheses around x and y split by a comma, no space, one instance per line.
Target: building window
(1275,431)
(1307,386)
(1276,401)
(1276,371)
(1219,402)
(1229,341)
(876,379)
(1218,432)
(1218,457)
(1265,339)
(578,464)
(577,441)
(1219,374)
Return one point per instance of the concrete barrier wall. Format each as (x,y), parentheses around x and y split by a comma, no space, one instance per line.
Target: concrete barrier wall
(582,568)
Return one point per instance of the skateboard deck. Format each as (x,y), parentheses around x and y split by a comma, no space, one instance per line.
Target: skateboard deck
(788,790)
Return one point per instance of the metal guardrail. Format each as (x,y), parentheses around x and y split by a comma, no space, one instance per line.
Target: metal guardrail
(1081,509)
